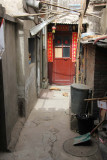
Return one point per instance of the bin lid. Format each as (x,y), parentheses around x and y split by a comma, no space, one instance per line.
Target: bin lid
(80,86)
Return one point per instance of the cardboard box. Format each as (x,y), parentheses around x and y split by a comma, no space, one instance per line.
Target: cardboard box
(102,104)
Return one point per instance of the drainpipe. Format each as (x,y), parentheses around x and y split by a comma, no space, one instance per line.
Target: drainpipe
(34,4)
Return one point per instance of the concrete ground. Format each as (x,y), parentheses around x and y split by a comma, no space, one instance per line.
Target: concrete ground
(46,129)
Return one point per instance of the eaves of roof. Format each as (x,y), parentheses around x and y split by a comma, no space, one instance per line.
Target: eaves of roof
(99,40)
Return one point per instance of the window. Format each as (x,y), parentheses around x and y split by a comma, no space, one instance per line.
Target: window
(66,52)
(58,52)
(31,43)
(62,46)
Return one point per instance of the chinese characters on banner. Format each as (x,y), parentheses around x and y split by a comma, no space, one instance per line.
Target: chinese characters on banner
(74,46)
(62,28)
(50,47)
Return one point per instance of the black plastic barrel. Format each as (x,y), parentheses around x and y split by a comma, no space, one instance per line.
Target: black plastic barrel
(79,92)
(85,123)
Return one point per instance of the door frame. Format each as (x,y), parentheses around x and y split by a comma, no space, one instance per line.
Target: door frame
(70,36)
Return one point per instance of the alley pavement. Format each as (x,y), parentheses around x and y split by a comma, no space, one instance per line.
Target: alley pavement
(46,130)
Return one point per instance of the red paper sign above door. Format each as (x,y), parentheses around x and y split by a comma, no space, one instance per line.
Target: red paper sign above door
(50,47)
(74,46)
(62,28)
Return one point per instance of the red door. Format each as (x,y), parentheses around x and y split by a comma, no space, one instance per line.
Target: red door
(63,68)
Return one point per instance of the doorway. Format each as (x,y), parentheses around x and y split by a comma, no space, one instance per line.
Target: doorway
(63,68)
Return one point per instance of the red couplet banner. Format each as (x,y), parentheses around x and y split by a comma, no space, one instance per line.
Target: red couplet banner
(74,46)
(50,47)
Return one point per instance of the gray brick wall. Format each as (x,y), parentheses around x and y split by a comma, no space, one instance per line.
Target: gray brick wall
(100,77)
(96,72)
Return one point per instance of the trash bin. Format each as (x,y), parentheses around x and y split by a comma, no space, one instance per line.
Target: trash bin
(85,123)
(78,93)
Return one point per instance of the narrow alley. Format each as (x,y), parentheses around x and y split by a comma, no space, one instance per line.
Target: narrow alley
(46,130)
(53,80)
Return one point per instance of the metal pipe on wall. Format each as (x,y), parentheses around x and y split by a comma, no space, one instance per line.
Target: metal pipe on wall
(34,3)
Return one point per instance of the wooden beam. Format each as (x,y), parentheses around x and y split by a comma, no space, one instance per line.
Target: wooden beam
(59,6)
(95,99)
(79,38)
(91,14)
(26,15)
(100,5)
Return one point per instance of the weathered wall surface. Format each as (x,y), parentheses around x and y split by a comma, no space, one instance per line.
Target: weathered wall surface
(3,138)
(30,71)
(26,73)
(90,52)
(94,22)
(90,65)
(10,79)
(103,22)
(20,67)
(20,77)
(30,90)
(13,7)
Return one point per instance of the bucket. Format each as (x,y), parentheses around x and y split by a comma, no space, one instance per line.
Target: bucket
(85,123)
